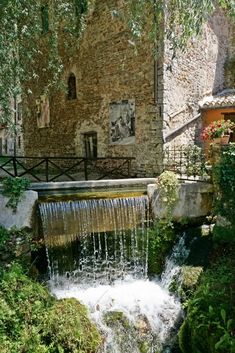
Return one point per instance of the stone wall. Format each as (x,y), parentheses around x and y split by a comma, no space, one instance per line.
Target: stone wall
(195,73)
(108,67)
(195,201)
(230,63)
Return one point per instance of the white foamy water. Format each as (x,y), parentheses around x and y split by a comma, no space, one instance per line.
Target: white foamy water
(107,271)
(145,303)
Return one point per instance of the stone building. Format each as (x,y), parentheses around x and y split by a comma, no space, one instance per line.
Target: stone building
(121,102)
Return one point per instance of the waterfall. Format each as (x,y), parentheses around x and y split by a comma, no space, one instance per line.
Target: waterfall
(96,240)
(98,253)
(174,262)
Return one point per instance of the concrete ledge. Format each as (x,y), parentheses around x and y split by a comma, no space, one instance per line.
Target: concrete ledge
(23,217)
(195,201)
(54,187)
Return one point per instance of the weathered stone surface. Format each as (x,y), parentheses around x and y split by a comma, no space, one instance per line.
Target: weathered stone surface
(23,217)
(195,200)
(195,73)
(109,67)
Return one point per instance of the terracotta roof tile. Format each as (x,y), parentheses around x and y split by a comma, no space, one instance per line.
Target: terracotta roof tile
(223,99)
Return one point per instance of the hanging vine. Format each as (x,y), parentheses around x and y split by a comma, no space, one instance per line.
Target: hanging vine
(24,43)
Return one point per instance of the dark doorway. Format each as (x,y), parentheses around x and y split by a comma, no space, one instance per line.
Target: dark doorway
(90,144)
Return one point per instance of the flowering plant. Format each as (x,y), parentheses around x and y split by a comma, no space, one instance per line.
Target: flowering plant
(217,128)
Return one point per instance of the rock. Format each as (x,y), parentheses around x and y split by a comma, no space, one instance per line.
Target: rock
(23,217)
(190,276)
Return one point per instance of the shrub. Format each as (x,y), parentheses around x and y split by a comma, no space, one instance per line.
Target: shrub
(209,325)
(224,179)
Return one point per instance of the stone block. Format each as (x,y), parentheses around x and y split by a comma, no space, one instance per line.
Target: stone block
(23,217)
(195,201)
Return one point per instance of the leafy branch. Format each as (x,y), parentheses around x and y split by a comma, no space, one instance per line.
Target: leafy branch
(14,188)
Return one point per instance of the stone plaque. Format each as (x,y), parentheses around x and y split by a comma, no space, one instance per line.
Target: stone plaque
(122,122)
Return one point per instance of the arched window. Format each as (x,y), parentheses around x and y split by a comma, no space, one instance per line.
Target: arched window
(80,7)
(72,92)
(45,18)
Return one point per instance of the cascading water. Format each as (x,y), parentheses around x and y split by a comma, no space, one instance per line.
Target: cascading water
(98,253)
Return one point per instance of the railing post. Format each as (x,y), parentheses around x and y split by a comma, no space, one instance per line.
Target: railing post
(47,170)
(129,168)
(14,166)
(85,169)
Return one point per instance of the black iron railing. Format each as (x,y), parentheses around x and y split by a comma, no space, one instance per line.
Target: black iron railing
(73,168)
(189,162)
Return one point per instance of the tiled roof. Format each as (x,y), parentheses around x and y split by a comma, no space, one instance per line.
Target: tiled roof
(223,99)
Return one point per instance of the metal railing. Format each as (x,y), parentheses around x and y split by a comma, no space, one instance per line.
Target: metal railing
(188,162)
(73,168)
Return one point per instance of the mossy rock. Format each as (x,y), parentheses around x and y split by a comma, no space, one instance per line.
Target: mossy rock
(31,317)
(114,318)
(69,329)
(190,276)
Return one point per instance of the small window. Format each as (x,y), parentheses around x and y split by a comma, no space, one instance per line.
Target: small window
(19,142)
(80,7)
(45,18)
(90,144)
(19,111)
(72,91)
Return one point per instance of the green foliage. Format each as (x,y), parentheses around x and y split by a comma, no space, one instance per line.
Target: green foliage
(14,188)
(162,236)
(188,160)
(224,180)
(209,325)
(68,328)
(15,245)
(161,240)
(31,320)
(168,187)
(178,20)
(24,43)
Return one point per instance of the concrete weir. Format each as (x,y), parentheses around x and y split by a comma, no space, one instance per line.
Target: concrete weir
(195,198)
(92,188)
